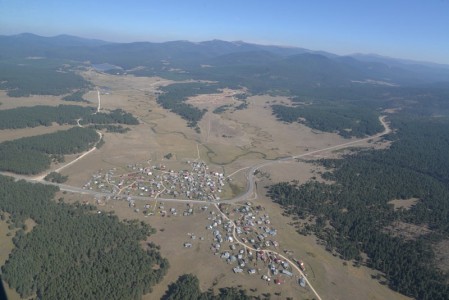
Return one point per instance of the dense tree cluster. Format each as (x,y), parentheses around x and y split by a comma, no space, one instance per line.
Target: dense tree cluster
(356,205)
(115,116)
(39,77)
(73,252)
(174,96)
(221,109)
(346,120)
(31,155)
(42,115)
(242,106)
(56,177)
(187,288)
(75,96)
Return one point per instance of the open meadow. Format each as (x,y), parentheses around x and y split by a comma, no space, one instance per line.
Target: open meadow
(230,142)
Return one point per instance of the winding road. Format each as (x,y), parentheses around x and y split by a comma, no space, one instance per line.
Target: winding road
(250,174)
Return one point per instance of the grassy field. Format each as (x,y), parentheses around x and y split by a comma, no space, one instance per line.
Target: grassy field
(230,141)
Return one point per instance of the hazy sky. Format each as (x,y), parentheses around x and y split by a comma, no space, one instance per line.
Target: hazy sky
(416,29)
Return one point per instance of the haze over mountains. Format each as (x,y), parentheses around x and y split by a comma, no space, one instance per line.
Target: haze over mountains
(383,207)
(285,67)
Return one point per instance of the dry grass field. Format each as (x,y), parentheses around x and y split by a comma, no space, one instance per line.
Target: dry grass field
(8,102)
(231,141)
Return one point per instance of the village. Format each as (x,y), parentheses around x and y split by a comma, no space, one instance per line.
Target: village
(242,236)
(195,182)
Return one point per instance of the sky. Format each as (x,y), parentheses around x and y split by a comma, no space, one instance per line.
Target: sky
(411,29)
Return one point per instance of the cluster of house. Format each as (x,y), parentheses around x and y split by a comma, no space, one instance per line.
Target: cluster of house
(252,226)
(197,182)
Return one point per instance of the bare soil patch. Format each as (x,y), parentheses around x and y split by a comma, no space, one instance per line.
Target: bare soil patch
(442,255)
(13,102)
(405,204)
(29,225)
(214,100)
(407,231)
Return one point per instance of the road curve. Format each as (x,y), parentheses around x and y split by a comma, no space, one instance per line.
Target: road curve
(250,174)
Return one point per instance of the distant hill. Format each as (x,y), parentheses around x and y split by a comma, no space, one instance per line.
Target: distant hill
(231,63)
(29,45)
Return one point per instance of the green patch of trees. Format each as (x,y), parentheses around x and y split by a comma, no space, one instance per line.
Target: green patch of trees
(187,288)
(31,155)
(27,77)
(356,206)
(221,109)
(174,96)
(242,106)
(56,177)
(42,115)
(75,97)
(346,120)
(115,116)
(74,252)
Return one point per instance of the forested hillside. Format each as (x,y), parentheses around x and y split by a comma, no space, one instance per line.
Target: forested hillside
(357,209)
(74,252)
(27,77)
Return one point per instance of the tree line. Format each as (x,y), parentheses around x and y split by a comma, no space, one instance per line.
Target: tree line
(42,115)
(76,96)
(56,177)
(348,120)
(174,96)
(115,116)
(31,155)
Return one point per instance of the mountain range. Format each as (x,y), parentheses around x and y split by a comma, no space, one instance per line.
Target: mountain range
(232,62)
